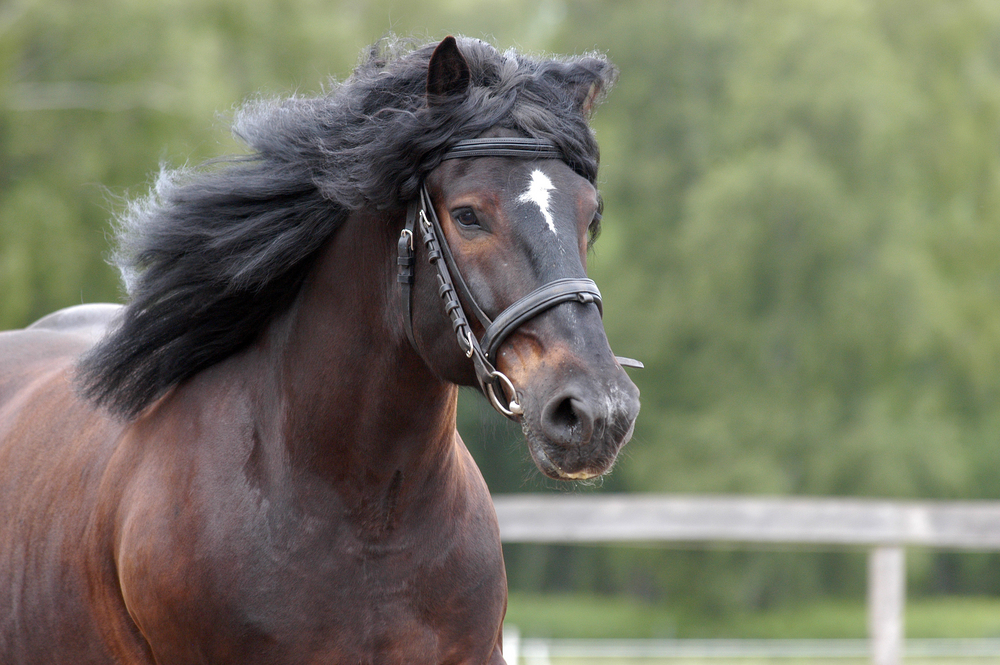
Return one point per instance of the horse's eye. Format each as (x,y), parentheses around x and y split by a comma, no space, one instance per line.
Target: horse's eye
(466,217)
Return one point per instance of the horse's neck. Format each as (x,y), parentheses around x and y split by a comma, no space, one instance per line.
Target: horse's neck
(358,410)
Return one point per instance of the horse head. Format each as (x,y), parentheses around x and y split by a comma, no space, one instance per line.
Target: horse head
(507,223)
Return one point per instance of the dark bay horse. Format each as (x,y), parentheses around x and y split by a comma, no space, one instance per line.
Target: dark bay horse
(255,460)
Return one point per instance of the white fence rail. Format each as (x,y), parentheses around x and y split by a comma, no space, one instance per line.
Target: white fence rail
(886,527)
(541,651)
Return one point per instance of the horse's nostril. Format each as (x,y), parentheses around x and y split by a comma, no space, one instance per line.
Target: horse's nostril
(564,414)
(567,421)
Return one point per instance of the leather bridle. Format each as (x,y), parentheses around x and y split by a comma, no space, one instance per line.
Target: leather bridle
(421,217)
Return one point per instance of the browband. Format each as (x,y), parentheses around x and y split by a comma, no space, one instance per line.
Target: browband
(504,147)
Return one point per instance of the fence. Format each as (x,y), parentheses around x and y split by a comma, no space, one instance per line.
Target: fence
(541,651)
(886,527)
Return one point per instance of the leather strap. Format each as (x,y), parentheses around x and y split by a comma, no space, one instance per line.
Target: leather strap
(456,274)
(405,260)
(543,298)
(446,287)
(504,147)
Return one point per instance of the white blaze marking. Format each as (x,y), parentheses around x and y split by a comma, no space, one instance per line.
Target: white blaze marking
(538,193)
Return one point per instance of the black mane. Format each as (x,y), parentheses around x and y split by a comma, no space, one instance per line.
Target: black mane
(213,254)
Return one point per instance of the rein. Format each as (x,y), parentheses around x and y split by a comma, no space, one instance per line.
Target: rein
(421,216)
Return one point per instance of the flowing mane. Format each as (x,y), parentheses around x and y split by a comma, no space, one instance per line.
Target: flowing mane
(213,254)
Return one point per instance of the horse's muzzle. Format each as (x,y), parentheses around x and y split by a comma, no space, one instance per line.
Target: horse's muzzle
(576,431)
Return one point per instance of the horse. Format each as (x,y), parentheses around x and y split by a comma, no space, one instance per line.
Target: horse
(255,459)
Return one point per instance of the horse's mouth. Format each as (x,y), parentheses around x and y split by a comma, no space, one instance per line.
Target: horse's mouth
(583,461)
(576,415)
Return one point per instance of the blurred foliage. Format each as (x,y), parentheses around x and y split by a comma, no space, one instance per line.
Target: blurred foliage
(801,241)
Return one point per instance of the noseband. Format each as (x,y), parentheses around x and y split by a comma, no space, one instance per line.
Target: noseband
(421,216)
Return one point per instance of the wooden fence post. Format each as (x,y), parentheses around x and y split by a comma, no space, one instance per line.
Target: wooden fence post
(886,603)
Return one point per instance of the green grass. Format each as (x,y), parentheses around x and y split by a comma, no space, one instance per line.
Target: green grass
(579,616)
(953,617)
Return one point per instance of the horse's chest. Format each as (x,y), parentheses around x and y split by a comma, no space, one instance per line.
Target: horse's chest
(335,599)
(417,605)
(265,579)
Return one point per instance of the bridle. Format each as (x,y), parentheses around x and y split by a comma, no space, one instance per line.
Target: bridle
(421,217)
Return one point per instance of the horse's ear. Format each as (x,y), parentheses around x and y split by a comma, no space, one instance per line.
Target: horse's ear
(448,74)
(594,78)
(588,99)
